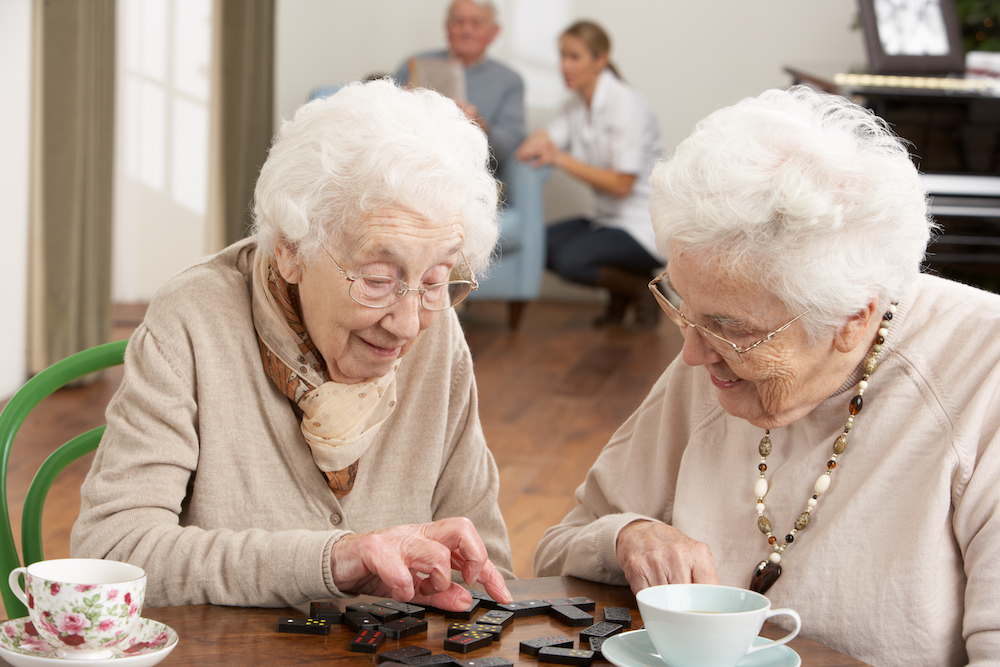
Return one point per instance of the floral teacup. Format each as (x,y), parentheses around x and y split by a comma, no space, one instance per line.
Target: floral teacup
(82,606)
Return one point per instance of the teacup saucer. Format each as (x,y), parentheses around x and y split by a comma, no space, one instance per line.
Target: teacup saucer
(633,649)
(152,642)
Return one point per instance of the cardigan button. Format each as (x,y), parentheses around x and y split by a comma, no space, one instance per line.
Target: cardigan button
(335,519)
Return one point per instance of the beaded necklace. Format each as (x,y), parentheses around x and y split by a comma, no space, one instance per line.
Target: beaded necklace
(767,571)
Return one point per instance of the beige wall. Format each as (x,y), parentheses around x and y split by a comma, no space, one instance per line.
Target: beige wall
(688,57)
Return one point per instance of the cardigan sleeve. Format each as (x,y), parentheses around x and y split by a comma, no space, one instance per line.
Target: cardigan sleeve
(634,478)
(469,483)
(134,496)
(976,518)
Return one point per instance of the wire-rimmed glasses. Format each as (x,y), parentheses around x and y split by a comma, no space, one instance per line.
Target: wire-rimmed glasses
(729,350)
(376,291)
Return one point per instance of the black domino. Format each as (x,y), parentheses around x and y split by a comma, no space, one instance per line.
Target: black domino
(595,645)
(522,608)
(398,655)
(571,616)
(468,641)
(459,628)
(326,611)
(583,603)
(359,620)
(602,629)
(367,640)
(620,615)
(405,607)
(381,614)
(566,656)
(497,617)
(462,615)
(485,601)
(491,661)
(532,646)
(404,627)
(303,626)
(430,660)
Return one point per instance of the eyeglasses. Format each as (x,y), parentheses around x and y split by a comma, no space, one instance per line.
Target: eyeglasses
(729,350)
(383,291)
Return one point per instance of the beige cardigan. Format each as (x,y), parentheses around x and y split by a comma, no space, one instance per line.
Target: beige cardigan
(203,477)
(900,564)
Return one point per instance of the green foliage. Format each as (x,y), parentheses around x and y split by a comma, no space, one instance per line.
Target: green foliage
(980,24)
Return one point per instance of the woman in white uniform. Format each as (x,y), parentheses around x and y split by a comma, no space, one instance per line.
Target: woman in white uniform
(607,137)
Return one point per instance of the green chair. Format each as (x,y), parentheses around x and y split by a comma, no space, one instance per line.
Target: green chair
(23,402)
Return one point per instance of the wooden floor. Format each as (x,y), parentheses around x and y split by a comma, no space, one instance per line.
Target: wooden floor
(551,394)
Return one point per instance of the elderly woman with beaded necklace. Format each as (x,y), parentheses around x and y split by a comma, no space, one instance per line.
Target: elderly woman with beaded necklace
(829,433)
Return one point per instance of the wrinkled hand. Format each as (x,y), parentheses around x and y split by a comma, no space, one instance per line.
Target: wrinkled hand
(414,563)
(652,553)
(538,150)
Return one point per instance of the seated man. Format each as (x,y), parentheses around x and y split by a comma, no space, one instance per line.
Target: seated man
(495,92)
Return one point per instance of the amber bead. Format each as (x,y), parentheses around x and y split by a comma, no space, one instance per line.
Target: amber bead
(802,521)
(764,524)
(772,539)
(880,340)
(831,464)
(762,467)
(856,404)
(841,444)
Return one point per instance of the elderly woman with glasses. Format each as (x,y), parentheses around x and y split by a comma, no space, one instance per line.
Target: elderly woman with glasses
(829,433)
(298,418)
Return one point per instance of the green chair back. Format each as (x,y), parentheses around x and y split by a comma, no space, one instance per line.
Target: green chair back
(16,411)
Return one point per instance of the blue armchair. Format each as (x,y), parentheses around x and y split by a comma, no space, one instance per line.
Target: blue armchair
(516,276)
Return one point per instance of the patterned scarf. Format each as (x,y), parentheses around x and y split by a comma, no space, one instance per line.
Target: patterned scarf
(339,421)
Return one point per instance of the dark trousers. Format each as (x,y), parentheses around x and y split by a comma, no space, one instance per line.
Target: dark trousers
(577,249)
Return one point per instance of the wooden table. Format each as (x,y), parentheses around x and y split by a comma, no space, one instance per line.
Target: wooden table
(211,635)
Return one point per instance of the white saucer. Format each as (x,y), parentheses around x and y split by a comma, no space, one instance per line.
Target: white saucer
(152,642)
(633,649)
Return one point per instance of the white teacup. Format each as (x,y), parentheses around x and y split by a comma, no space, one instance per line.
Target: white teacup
(702,625)
(82,607)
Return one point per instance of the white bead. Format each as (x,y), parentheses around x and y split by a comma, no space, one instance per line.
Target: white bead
(863,385)
(760,508)
(775,557)
(822,484)
(760,488)
(892,308)
(882,331)
(812,502)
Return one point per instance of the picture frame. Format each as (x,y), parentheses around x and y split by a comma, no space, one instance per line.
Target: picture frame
(912,37)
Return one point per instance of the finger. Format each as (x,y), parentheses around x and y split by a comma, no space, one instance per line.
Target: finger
(704,572)
(460,536)
(493,582)
(455,598)
(386,563)
(432,561)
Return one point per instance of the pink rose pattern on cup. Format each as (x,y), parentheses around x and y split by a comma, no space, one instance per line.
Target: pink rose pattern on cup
(20,635)
(76,619)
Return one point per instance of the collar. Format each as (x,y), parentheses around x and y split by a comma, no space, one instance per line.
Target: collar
(483,58)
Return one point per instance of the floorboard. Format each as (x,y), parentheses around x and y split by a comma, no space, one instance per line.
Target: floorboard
(551,395)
